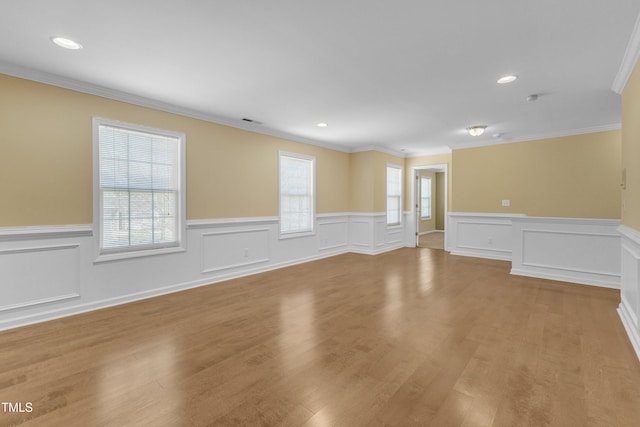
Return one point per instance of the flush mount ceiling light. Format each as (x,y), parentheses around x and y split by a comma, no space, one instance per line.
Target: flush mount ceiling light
(322,125)
(66,43)
(476,130)
(507,79)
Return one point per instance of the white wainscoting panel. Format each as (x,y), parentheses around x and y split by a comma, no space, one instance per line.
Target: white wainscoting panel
(234,248)
(379,231)
(629,308)
(39,275)
(333,232)
(49,272)
(480,235)
(585,251)
(394,236)
(369,234)
(360,233)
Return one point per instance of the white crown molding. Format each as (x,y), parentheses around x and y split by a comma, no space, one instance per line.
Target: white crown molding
(538,137)
(631,56)
(379,149)
(433,152)
(104,92)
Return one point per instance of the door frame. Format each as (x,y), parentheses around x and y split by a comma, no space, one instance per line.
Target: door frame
(415,188)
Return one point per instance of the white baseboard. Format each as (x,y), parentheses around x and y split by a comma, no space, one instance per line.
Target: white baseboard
(629,323)
(378,251)
(482,253)
(612,284)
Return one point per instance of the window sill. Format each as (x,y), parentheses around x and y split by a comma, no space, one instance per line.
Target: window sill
(117,256)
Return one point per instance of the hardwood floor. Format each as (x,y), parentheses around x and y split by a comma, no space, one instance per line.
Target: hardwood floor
(432,240)
(412,337)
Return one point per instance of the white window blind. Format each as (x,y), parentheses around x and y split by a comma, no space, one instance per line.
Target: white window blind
(296,193)
(394,194)
(139,189)
(425,197)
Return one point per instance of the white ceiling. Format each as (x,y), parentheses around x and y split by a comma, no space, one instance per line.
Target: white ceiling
(406,75)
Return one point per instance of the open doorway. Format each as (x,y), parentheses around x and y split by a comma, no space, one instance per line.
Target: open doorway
(430,206)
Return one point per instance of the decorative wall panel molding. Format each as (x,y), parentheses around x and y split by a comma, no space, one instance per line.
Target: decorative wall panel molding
(333,233)
(585,251)
(39,275)
(480,235)
(228,249)
(49,272)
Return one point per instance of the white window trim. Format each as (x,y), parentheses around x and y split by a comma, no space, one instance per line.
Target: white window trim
(296,234)
(401,214)
(426,218)
(140,251)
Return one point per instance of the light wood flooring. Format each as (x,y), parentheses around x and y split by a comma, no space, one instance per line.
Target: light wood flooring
(432,241)
(408,338)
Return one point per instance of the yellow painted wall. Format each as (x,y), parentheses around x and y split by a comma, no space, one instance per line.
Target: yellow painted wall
(631,150)
(46,165)
(361,191)
(575,176)
(440,201)
(46,159)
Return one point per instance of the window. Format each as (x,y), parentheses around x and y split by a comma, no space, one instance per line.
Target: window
(425,197)
(139,194)
(394,194)
(297,176)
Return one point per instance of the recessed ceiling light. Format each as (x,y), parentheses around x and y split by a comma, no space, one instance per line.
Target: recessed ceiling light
(476,130)
(66,43)
(322,125)
(507,79)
